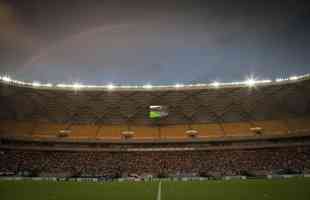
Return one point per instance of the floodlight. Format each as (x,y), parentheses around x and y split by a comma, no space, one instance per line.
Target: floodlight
(250,82)
(62,85)
(48,85)
(215,84)
(148,86)
(36,84)
(293,78)
(111,86)
(6,79)
(178,85)
(77,86)
(281,79)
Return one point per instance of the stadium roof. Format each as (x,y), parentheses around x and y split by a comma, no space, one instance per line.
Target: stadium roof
(208,103)
(249,82)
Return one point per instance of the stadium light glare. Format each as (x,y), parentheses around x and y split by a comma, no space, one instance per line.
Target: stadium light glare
(77,86)
(48,85)
(250,82)
(147,86)
(178,85)
(36,84)
(61,85)
(280,79)
(215,84)
(293,78)
(111,86)
(6,79)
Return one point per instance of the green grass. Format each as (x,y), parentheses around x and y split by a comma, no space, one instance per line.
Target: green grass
(45,190)
(288,189)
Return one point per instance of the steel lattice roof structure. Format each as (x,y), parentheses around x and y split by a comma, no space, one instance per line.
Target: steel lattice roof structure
(267,101)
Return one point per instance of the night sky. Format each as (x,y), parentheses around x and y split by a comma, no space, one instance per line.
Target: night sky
(157,41)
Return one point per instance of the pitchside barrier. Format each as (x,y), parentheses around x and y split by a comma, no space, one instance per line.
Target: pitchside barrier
(227,178)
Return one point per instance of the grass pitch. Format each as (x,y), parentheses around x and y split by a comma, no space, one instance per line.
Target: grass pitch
(288,189)
(285,189)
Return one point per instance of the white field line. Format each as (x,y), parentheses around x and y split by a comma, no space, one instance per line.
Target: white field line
(159,191)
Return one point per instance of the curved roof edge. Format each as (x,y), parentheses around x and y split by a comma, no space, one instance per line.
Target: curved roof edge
(251,82)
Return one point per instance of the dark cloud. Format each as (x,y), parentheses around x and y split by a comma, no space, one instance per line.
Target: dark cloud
(153,41)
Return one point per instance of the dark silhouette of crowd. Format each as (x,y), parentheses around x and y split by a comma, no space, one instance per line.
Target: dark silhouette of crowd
(230,162)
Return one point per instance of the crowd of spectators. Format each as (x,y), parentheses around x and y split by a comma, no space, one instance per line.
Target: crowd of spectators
(157,163)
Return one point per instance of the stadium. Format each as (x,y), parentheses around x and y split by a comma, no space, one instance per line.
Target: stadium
(154,100)
(159,135)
